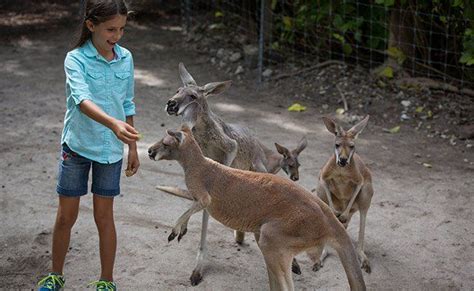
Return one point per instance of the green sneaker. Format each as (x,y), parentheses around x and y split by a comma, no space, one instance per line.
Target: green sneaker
(51,282)
(103,285)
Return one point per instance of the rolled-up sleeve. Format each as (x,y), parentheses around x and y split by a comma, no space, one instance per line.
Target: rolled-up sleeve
(128,104)
(76,80)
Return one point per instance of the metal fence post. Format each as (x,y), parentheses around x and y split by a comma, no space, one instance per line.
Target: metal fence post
(261,41)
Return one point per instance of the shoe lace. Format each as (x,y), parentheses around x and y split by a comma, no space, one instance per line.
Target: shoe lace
(103,285)
(51,281)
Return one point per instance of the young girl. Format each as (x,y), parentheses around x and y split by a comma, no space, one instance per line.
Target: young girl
(99,119)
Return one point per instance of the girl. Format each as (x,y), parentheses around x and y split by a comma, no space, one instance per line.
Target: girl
(99,119)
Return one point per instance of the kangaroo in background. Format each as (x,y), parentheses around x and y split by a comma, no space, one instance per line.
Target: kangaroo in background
(345,184)
(285,218)
(227,144)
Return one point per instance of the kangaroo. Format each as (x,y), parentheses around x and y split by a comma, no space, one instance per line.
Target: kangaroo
(285,218)
(227,144)
(345,184)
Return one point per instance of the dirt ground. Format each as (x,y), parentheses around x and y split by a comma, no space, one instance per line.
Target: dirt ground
(417,235)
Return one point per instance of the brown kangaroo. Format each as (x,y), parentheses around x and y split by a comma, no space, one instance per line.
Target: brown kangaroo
(345,184)
(285,218)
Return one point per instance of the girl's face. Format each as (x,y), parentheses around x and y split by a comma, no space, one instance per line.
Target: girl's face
(106,34)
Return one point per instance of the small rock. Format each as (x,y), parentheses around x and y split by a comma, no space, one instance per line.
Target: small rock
(404,116)
(220,53)
(469,145)
(239,70)
(406,103)
(235,57)
(325,106)
(267,73)
(400,95)
(466,160)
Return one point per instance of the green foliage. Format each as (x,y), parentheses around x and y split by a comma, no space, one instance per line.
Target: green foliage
(467,56)
(356,26)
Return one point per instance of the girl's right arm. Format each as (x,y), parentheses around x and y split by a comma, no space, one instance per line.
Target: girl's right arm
(124,131)
(75,79)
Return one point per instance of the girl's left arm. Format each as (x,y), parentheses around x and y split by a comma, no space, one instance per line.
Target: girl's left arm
(133,163)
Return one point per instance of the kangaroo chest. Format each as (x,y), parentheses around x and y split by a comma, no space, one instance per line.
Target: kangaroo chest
(342,186)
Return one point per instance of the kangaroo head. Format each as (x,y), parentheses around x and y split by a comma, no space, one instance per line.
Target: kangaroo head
(344,145)
(191,99)
(168,148)
(290,163)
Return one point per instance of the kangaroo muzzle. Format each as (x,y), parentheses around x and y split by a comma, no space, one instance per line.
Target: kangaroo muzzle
(172,107)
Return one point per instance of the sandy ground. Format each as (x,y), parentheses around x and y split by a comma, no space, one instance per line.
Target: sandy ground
(419,233)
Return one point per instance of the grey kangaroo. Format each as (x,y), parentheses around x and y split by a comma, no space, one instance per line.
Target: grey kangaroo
(285,218)
(227,144)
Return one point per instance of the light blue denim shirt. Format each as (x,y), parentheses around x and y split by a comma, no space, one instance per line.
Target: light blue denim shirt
(110,85)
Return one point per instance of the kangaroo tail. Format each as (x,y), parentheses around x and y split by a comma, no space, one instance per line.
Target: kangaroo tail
(344,248)
(175,191)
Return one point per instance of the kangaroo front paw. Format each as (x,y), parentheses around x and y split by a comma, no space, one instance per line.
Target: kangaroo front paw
(317,266)
(196,278)
(295,267)
(172,236)
(182,233)
(366,266)
(342,218)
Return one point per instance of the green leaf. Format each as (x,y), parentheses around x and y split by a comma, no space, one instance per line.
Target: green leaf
(395,129)
(458,3)
(347,49)
(287,22)
(274,3)
(396,54)
(467,59)
(443,19)
(296,107)
(387,72)
(419,109)
(218,14)
(338,37)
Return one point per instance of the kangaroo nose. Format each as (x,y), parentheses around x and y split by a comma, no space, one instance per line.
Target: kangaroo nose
(149,151)
(171,103)
(342,162)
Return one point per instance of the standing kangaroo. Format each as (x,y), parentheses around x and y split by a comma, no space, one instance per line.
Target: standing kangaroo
(227,144)
(285,218)
(345,184)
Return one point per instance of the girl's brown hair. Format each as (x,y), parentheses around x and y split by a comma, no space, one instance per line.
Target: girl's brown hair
(98,11)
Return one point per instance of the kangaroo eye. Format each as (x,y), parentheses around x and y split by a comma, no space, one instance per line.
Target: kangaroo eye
(338,145)
(194,97)
(352,146)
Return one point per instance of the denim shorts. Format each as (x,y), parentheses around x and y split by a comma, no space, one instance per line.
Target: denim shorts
(74,175)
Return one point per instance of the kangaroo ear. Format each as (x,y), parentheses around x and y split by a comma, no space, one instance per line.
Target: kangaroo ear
(177,135)
(216,88)
(282,150)
(357,129)
(186,77)
(333,127)
(301,146)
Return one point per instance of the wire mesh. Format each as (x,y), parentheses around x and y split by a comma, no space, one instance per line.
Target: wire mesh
(427,39)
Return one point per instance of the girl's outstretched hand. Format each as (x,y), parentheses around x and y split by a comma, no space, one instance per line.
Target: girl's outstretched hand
(125,132)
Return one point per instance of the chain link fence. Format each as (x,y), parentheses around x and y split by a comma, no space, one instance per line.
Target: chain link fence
(416,43)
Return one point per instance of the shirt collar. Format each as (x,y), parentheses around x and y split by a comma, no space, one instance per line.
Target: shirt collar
(91,51)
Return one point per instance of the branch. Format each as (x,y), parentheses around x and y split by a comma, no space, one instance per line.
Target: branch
(305,70)
(433,84)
